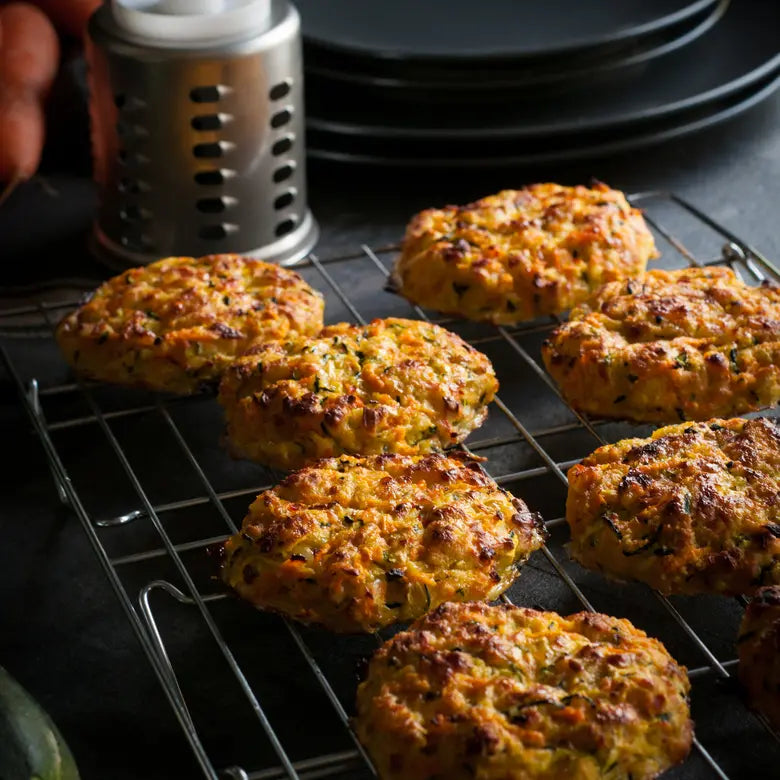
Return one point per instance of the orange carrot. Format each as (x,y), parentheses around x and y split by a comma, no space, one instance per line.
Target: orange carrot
(30,52)
(21,136)
(29,56)
(69,16)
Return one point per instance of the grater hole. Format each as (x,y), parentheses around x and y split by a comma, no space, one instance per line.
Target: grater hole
(207,151)
(282,145)
(213,232)
(281,118)
(140,243)
(131,186)
(284,200)
(209,177)
(211,205)
(208,94)
(285,227)
(130,159)
(280,174)
(280,90)
(217,231)
(206,122)
(133,213)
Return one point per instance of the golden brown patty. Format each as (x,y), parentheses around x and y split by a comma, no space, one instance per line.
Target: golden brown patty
(521,253)
(398,386)
(693,509)
(671,345)
(474,691)
(176,324)
(759,653)
(358,543)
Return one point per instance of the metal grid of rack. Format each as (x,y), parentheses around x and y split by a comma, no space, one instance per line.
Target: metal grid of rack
(151,536)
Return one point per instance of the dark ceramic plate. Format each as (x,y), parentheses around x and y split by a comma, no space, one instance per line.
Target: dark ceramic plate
(457,29)
(455,154)
(739,51)
(407,81)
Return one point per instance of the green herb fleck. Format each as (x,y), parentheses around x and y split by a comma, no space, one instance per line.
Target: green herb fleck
(733,360)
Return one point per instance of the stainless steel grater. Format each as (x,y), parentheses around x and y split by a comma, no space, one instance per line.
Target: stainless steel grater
(196,109)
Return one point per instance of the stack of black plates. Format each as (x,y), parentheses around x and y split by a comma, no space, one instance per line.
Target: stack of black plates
(451,82)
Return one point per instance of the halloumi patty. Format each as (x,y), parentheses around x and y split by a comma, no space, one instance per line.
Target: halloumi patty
(759,653)
(355,544)
(671,345)
(174,325)
(520,254)
(693,509)
(477,691)
(392,386)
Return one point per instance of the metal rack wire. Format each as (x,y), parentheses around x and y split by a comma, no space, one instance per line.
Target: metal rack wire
(167,566)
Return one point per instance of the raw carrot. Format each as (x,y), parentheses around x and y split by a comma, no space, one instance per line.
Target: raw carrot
(30,51)
(29,56)
(69,16)
(21,136)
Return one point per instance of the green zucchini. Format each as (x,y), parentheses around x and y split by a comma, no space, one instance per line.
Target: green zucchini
(31,747)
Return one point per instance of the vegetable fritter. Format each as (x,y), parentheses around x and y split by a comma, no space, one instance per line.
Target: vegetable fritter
(522,253)
(477,691)
(355,544)
(394,385)
(693,509)
(670,346)
(176,324)
(759,653)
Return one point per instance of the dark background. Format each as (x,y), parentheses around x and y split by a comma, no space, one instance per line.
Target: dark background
(62,632)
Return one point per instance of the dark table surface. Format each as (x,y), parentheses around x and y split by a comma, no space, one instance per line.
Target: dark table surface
(62,632)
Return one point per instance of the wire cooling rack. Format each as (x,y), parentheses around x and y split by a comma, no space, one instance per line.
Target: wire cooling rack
(259,697)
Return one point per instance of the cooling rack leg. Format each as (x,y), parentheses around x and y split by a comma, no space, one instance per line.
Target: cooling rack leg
(159,645)
(34,401)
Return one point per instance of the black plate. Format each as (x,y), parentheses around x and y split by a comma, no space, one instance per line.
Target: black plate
(457,29)
(455,154)
(740,50)
(490,80)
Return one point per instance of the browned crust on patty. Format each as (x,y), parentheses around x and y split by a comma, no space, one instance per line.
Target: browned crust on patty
(693,509)
(759,653)
(392,386)
(356,544)
(478,691)
(523,253)
(671,345)
(175,325)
